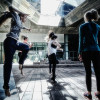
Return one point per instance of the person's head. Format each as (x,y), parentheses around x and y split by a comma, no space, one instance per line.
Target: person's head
(53,37)
(23,17)
(25,38)
(48,37)
(51,34)
(91,15)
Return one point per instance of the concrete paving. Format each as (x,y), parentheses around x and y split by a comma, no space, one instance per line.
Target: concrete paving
(14,92)
(36,84)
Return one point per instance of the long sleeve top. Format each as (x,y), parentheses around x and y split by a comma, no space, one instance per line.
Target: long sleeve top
(16,25)
(88,37)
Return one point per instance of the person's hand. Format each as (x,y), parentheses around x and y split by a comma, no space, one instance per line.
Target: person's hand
(61,49)
(80,57)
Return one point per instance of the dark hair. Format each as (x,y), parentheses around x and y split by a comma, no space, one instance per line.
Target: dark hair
(25,37)
(51,34)
(4,17)
(20,14)
(53,37)
(11,9)
(92,14)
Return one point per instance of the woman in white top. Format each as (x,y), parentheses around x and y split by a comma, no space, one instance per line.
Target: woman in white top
(52,48)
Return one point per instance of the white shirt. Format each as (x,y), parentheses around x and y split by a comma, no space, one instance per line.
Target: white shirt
(51,50)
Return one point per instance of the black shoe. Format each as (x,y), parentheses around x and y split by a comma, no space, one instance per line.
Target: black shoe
(97,95)
(53,80)
(7,92)
(88,96)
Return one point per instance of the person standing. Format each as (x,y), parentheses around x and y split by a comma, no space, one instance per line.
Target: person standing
(89,50)
(52,48)
(11,43)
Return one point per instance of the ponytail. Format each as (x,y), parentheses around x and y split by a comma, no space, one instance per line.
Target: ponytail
(91,15)
(4,17)
(94,14)
(48,37)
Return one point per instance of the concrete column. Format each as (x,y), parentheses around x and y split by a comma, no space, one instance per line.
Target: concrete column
(66,46)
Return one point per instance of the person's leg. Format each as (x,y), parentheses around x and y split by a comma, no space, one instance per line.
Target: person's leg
(53,72)
(24,48)
(86,56)
(21,66)
(49,67)
(87,64)
(54,67)
(50,63)
(96,65)
(19,54)
(9,50)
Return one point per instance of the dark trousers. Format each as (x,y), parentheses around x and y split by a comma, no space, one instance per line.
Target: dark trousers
(52,61)
(19,55)
(87,57)
(50,67)
(10,46)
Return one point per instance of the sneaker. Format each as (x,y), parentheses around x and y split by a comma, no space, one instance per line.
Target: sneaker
(88,96)
(97,95)
(20,66)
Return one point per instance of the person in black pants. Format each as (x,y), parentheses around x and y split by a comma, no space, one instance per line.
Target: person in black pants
(47,39)
(89,50)
(25,38)
(52,46)
(11,43)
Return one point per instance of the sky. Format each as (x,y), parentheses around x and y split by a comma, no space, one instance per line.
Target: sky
(49,7)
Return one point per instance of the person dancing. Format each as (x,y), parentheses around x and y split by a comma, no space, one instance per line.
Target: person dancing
(20,52)
(47,39)
(52,48)
(11,43)
(89,50)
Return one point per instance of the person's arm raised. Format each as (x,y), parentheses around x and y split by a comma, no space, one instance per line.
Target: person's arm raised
(4,17)
(57,43)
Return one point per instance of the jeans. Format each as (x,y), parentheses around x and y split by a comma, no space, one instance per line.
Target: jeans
(10,46)
(87,57)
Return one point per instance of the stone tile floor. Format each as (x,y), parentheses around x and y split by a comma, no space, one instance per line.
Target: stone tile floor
(14,91)
(36,84)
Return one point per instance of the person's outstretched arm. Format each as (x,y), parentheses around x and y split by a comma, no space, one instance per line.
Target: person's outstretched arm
(15,12)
